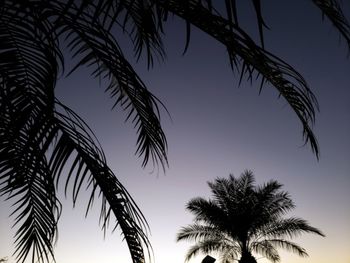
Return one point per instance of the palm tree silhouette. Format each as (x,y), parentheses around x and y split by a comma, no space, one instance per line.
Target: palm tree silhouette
(40,137)
(243,218)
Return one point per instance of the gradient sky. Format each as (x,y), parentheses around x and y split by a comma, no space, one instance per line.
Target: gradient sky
(218,129)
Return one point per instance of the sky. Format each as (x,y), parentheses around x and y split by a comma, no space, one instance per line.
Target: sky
(216,129)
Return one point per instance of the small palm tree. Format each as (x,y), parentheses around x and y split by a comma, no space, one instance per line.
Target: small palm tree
(243,218)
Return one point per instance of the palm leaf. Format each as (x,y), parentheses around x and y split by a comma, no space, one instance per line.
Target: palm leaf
(211,245)
(288,82)
(288,245)
(197,232)
(289,227)
(271,202)
(95,46)
(332,10)
(229,255)
(207,211)
(26,179)
(89,165)
(266,249)
(28,70)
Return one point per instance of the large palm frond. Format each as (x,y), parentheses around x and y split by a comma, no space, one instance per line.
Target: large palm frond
(90,165)
(251,58)
(27,180)
(244,51)
(138,19)
(28,71)
(95,46)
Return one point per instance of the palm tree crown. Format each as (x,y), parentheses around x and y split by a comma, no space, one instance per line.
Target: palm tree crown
(243,218)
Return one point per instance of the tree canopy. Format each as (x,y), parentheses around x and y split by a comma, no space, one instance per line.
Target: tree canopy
(242,218)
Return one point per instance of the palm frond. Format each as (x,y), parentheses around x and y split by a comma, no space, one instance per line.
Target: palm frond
(89,166)
(196,232)
(95,46)
(290,227)
(27,180)
(270,203)
(288,82)
(145,27)
(207,211)
(28,70)
(289,246)
(229,255)
(222,193)
(210,245)
(29,53)
(137,18)
(266,249)
(228,193)
(332,10)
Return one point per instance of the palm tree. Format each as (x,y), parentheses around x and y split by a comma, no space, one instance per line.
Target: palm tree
(243,218)
(41,138)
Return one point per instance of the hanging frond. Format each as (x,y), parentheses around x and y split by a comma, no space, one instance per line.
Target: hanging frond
(89,166)
(96,47)
(289,227)
(266,249)
(28,71)
(210,245)
(145,28)
(332,10)
(289,246)
(242,48)
(26,179)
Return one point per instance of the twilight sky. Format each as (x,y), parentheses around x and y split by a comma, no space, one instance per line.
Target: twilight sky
(218,129)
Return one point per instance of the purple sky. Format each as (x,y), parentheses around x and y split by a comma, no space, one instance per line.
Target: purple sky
(218,129)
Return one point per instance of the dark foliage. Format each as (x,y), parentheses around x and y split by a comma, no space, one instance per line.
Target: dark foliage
(40,137)
(242,218)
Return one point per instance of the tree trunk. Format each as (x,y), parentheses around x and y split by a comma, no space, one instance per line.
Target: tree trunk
(247,258)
